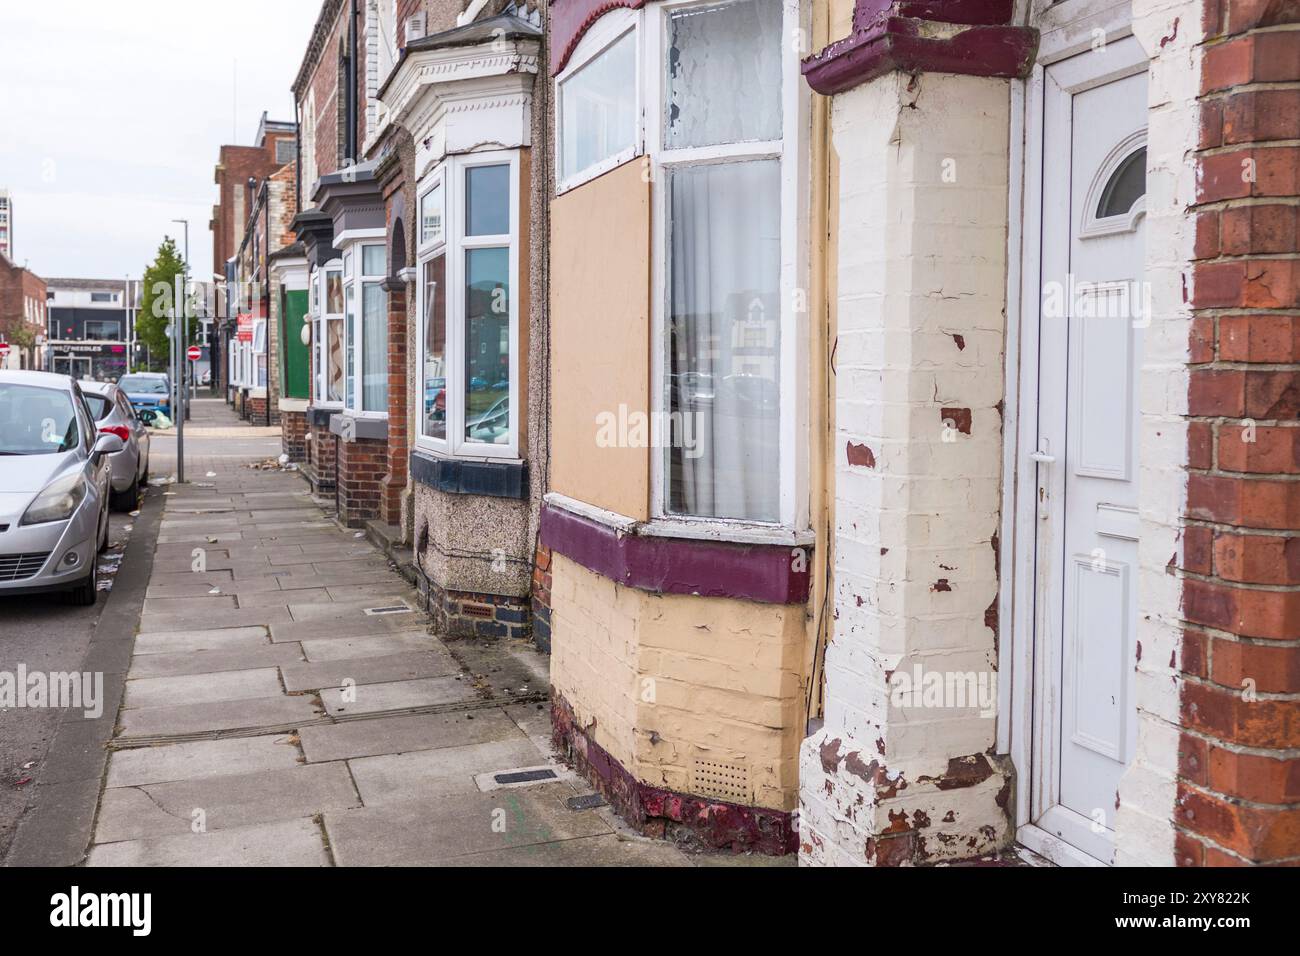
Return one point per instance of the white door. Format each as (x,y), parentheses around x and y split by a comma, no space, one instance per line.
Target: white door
(1092,318)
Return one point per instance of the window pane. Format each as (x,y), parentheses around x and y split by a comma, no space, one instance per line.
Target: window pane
(334,292)
(487,346)
(1127,185)
(435,348)
(374,348)
(724,340)
(431,216)
(487,200)
(372,260)
(350,336)
(598,108)
(334,360)
(724,74)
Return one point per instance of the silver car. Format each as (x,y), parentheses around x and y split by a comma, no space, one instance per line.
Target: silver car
(54,487)
(113,415)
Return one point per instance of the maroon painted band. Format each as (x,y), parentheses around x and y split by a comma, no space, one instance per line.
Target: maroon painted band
(570,19)
(901,35)
(770,573)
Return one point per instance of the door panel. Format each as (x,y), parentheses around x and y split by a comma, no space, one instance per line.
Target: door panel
(1091,329)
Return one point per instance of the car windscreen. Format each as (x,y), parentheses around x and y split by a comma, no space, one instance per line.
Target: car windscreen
(35,420)
(100,405)
(134,385)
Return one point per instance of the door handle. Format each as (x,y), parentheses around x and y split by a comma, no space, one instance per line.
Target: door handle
(1042,457)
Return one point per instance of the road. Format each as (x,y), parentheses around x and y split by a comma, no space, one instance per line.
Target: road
(44,634)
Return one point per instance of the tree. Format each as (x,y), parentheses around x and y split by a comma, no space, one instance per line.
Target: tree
(156,301)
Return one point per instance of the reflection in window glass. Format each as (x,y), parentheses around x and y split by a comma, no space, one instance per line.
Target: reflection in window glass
(431,216)
(372,260)
(487,200)
(487,346)
(374,347)
(334,360)
(724,74)
(351,337)
(724,340)
(598,108)
(435,348)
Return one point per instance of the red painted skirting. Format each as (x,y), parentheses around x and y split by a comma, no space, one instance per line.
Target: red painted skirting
(770,573)
(901,35)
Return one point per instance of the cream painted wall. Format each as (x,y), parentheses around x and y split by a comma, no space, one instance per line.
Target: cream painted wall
(600,335)
(663,681)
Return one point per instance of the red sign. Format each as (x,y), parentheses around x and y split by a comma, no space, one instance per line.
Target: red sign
(244,327)
(4,349)
(193,352)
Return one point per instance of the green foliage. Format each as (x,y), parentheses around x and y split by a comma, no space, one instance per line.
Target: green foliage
(156,299)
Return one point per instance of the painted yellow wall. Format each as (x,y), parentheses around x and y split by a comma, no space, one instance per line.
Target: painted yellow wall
(664,681)
(600,334)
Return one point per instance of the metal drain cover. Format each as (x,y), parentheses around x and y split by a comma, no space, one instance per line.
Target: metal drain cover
(521,777)
(588,801)
(524,776)
(389,609)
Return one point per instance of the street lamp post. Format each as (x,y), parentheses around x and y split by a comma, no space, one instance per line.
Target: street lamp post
(185,328)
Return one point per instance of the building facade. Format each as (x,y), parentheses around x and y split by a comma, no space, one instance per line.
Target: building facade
(91,325)
(6,224)
(882,411)
(23,316)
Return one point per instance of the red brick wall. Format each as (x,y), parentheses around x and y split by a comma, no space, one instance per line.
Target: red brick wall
(362,466)
(1238,792)
(321,451)
(293,435)
(235,165)
(396,460)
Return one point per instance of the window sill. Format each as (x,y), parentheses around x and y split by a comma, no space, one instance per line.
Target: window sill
(349,427)
(465,476)
(659,557)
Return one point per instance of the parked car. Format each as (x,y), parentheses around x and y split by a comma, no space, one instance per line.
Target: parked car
(55,480)
(148,390)
(114,415)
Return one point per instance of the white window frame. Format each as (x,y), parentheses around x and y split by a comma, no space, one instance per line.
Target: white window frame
(426,251)
(793,152)
(259,334)
(607,31)
(352,243)
(320,318)
(452,174)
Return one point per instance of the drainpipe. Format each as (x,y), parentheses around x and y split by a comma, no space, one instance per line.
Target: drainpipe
(297,156)
(266,282)
(350,139)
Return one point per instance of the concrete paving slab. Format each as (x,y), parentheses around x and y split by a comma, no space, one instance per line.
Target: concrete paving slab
(421,832)
(222,715)
(199,617)
(359,625)
(383,735)
(369,670)
(378,645)
(140,812)
(201,688)
(535,721)
(607,850)
(354,608)
(425,773)
(164,641)
(377,698)
(278,597)
(213,662)
(201,758)
(211,537)
(284,843)
(185,605)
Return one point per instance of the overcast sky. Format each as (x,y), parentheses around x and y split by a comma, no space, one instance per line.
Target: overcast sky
(111,114)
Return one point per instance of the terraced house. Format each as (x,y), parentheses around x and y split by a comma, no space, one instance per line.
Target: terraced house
(883,411)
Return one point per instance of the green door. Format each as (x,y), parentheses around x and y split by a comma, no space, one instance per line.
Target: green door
(296,371)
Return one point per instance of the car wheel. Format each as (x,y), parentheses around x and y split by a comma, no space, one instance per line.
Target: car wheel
(126,500)
(86,592)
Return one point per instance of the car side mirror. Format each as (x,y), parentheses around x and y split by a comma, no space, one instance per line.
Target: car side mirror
(106,444)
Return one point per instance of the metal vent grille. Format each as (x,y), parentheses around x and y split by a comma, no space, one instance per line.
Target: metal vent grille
(16,567)
(726,781)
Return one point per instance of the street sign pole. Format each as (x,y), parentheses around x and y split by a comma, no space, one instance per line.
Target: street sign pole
(178,350)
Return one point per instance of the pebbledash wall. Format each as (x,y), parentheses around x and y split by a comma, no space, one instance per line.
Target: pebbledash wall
(924,345)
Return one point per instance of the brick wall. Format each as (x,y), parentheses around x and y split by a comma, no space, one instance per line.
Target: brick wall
(322,447)
(1238,797)
(541,598)
(362,465)
(293,435)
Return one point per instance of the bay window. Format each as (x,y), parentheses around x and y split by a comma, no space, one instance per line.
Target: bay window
(364,329)
(724,122)
(467,305)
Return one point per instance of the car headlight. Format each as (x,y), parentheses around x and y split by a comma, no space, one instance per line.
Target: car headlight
(58,501)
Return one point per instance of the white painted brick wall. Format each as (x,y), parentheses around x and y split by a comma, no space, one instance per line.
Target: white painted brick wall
(1169,31)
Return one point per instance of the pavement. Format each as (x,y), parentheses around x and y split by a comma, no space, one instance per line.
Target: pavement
(286,703)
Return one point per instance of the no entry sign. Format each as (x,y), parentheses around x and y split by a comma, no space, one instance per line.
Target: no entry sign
(4,349)
(193,352)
